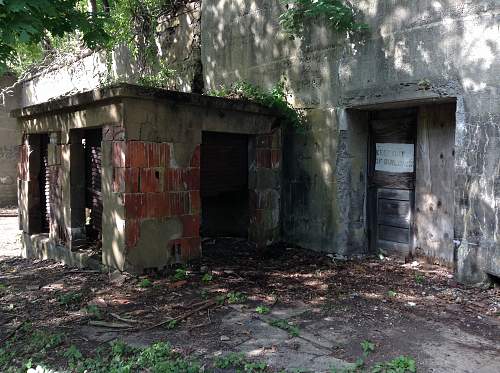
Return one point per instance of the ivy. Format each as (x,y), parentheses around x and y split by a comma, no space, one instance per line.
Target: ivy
(339,15)
(274,98)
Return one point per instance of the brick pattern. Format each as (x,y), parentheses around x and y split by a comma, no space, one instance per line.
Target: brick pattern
(264,200)
(153,189)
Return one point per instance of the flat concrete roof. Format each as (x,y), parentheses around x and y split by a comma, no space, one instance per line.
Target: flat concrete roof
(123,90)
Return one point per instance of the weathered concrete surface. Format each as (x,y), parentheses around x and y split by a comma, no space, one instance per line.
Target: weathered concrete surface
(8,152)
(10,237)
(452,44)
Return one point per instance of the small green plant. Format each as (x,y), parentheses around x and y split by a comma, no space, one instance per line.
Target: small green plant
(274,99)
(180,274)
(159,79)
(286,326)
(220,299)
(207,277)
(236,297)
(69,298)
(231,360)
(368,347)
(172,324)
(73,355)
(145,283)
(339,15)
(392,293)
(204,294)
(93,311)
(258,366)
(263,310)
(419,279)
(401,364)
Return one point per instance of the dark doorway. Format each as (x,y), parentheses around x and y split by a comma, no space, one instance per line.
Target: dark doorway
(93,192)
(391,180)
(86,189)
(224,185)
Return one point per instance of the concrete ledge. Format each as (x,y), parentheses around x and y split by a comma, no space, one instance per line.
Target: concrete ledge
(40,246)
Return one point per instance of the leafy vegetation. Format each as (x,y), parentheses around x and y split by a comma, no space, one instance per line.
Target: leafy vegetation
(274,99)
(27,24)
(70,298)
(145,283)
(207,277)
(180,274)
(368,347)
(263,310)
(338,14)
(238,361)
(401,364)
(235,297)
(293,330)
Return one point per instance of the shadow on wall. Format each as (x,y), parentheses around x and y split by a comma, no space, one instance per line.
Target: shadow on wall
(450,47)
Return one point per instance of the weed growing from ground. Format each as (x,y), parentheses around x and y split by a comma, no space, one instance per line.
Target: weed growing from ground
(145,283)
(69,298)
(368,347)
(207,277)
(238,361)
(180,274)
(263,310)
(419,279)
(93,311)
(392,293)
(293,330)
(236,297)
(401,364)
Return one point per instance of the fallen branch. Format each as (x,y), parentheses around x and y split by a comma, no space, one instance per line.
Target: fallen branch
(112,325)
(207,304)
(118,317)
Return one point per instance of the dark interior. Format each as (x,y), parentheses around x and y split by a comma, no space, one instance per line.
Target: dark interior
(224,185)
(93,194)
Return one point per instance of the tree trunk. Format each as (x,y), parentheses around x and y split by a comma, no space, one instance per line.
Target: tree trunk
(92,6)
(105,3)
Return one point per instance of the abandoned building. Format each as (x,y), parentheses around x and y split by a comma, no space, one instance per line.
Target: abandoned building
(401,150)
(133,175)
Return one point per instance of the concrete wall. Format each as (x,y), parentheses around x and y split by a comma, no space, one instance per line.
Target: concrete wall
(454,44)
(8,152)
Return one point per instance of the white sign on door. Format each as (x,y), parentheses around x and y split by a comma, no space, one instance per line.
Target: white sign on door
(395,158)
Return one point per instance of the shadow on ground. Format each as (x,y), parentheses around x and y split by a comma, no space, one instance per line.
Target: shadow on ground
(315,311)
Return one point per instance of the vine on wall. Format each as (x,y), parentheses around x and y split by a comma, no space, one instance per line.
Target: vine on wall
(340,15)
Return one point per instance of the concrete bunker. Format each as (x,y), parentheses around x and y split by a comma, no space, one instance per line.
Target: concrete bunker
(122,173)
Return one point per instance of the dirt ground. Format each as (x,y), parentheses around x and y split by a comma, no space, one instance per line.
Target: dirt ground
(315,311)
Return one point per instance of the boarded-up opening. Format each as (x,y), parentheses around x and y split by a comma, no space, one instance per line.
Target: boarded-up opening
(391,177)
(44,183)
(224,185)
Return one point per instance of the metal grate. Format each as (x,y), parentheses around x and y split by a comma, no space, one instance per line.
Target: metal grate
(44,182)
(93,190)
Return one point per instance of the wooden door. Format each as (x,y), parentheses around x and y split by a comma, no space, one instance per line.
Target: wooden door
(392,183)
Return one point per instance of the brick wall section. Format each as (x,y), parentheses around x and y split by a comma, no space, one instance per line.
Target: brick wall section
(154,190)
(265,187)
